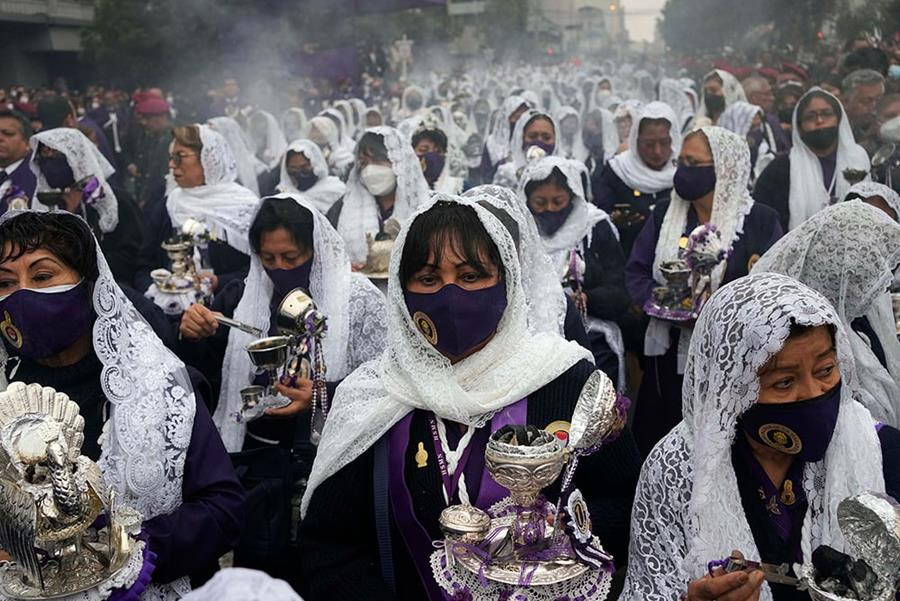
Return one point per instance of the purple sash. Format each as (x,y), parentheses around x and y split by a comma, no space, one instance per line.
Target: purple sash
(415,536)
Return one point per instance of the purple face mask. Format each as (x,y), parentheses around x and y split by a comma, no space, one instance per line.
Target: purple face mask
(432,166)
(545,146)
(57,172)
(43,323)
(692,183)
(455,320)
(802,429)
(285,280)
(549,222)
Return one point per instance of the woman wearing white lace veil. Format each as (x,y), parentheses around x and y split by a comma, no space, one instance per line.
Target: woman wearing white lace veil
(386,182)
(768,356)
(877,195)
(535,135)
(345,142)
(584,252)
(65,159)
(710,189)
(294,124)
(466,372)
(749,121)
(848,253)
(204,171)
(570,141)
(267,137)
(70,327)
(497,140)
(675,93)
(720,90)
(324,133)
(293,246)
(241,145)
(304,171)
(814,174)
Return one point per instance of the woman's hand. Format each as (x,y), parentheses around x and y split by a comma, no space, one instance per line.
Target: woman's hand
(198,322)
(300,396)
(722,586)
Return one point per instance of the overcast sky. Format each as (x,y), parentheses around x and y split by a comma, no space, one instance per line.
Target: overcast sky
(640,17)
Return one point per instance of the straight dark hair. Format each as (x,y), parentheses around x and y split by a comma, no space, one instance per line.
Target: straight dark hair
(448,226)
(274,213)
(371,145)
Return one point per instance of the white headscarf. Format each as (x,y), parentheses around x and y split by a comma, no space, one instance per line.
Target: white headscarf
(498,139)
(732,203)
(146,438)
(580,223)
(674,93)
(353,305)
(738,117)
(359,214)
(869,189)
(326,191)
(575,149)
(544,293)
(405,111)
(241,584)
(808,194)
(848,253)
(85,160)
(339,157)
(345,141)
(731,88)
(291,133)
(412,374)
(223,205)
(248,167)
(629,165)
(276,143)
(687,509)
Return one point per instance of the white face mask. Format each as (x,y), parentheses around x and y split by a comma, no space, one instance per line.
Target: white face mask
(890,130)
(378,179)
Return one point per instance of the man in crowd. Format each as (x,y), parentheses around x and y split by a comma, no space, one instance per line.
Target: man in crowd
(861,91)
(148,149)
(17,181)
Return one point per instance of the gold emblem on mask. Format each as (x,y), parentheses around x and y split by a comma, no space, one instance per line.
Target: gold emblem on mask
(10,331)
(781,438)
(425,326)
(421,456)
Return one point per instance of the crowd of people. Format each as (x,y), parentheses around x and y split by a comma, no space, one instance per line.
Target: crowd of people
(530,215)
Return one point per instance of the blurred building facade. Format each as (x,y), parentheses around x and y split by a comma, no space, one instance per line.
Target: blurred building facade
(40,39)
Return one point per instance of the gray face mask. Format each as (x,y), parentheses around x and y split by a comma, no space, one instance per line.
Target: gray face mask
(890,131)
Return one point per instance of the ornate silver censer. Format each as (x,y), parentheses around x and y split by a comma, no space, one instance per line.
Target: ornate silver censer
(58,520)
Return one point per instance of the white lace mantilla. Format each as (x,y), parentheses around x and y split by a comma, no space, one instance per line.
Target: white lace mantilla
(687,510)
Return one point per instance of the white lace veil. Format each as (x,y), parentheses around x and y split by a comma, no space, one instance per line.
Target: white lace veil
(412,374)
(808,194)
(581,221)
(248,167)
(498,138)
(359,215)
(294,134)
(276,143)
(731,88)
(848,253)
(738,117)
(674,92)
(575,149)
(354,308)
(85,160)
(518,138)
(687,509)
(241,584)
(629,165)
(544,294)
(145,441)
(326,191)
(869,189)
(223,205)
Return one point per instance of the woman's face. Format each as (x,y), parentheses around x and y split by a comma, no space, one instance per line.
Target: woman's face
(805,368)
(298,164)
(37,269)
(452,269)
(880,203)
(279,250)
(539,130)
(695,152)
(365,159)
(549,197)
(186,167)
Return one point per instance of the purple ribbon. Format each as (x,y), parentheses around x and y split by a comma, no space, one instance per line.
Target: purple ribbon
(134,592)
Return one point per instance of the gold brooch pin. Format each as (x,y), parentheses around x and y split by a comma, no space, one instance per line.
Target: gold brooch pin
(421,456)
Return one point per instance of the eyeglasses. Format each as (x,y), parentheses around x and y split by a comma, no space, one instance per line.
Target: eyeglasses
(813,116)
(178,157)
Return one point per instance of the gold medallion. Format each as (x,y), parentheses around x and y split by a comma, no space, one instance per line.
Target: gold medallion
(421,456)
(425,326)
(787,493)
(559,429)
(10,331)
(781,438)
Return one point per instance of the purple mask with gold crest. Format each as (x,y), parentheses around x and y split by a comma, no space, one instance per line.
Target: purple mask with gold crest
(40,323)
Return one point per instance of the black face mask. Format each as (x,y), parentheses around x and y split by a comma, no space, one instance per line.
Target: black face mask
(714,103)
(820,139)
(785,115)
